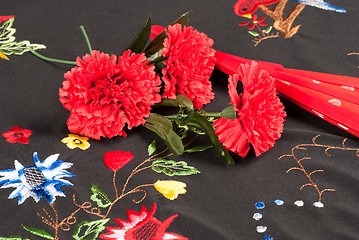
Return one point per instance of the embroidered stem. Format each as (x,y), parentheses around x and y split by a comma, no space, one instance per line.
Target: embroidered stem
(114,183)
(51,59)
(86,38)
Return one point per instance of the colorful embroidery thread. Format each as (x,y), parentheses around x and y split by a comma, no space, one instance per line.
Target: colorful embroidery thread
(113,160)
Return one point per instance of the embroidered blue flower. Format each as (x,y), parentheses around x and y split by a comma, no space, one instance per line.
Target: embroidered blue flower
(43,179)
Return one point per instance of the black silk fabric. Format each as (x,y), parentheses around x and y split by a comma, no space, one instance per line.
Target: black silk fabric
(220,201)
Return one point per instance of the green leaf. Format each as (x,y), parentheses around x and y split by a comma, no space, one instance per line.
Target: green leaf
(180,101)
(151,148)
(19,48)
(7,32)
(156,44)
(253,33)
(138,44)
(39,232)
(164,129)
(198,149)
(200,122)
(99,197)
(269,28)
(172,168)
(86,229)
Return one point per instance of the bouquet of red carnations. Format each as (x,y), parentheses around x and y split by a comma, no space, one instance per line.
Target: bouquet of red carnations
(107,94)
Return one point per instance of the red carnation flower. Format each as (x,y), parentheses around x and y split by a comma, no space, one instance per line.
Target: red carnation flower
(17,134)
(103,95)
(116,160)
(142,225)
(260,114)
(189,65)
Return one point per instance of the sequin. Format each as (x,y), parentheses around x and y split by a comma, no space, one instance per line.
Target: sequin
(299,203)
(260,205)
(257,216)
(318,204)
(261,229)
(268,237)
(279,202)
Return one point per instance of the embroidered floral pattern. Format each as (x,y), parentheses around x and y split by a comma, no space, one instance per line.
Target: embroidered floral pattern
(74,141)
(263,33)
(43,179)
(116,160)
(170,189)
(17,134)
(141,226)
(8,45)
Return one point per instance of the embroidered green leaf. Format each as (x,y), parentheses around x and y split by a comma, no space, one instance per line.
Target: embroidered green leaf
(39,232)
(197,121)
(13,238)
(253,33)
(99,197)
(164,129)
(90,230)
(269,28)
(19,48)
(155,46)
(198,149)
(138,44)
(151,148)
(7,32)
(172,168)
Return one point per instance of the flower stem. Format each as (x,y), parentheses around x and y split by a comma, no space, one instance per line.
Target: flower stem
(205,114)
(51,59)
(86,38)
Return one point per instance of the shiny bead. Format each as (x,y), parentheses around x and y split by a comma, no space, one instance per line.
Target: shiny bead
(260,205)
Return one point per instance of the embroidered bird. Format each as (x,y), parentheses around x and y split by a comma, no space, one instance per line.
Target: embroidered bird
(243,7)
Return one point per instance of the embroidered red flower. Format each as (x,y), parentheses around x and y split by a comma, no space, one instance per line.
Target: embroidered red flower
(117,159)
(104,93)
(17,134)
(254,22)
(189,65)
(142,226)
(260,114)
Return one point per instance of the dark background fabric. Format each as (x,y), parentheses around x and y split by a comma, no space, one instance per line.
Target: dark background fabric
(220,201)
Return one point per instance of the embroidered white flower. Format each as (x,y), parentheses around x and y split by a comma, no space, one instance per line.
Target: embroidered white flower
(43,179)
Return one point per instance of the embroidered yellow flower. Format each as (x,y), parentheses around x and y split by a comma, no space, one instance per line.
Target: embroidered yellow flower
(170,189)
(74,141)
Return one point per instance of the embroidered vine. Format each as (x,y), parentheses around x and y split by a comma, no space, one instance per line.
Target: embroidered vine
(308,174)
(353,53)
